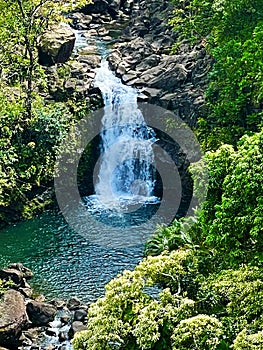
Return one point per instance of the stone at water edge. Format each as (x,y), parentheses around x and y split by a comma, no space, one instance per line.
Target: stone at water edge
(17,273)
(80,315)
(40,314)
(13,318)
(56,45)
(76,327)
(73,303)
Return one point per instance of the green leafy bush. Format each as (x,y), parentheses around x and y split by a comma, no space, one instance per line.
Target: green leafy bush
(246,341)
(236,296)
(231,219)
(198,332)
(128,317)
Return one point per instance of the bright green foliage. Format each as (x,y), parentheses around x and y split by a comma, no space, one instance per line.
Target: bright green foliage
(246,341)
(27,155)
(198,332)
(189,312)
(236,295)
(4,285)
(129,318)
(181,233)
(31,130)
(231,219)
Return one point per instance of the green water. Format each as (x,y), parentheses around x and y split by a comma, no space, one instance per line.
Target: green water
(64,263)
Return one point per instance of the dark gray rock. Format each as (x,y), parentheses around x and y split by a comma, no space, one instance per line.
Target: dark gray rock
(39,313)
(62,336)
(81,21)
(80,315)
(13,318)
(91,60)
(51,332)
(16,273)
(76,327)
(101,7)
(73,303)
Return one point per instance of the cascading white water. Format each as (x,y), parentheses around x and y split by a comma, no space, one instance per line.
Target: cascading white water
(125,171)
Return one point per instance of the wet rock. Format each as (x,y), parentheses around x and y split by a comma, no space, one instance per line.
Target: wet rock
(16,273)
(76,327)
(56,45)
(92,60)
(80,315)
(59,304)
(27,273)
(13,318)
(73,303)
(26,292)
(90,33)
(40,314)
(65,318)
(51,332)
(32,334)
(81,21)
(25,341)
(62,347)
(88,50)
(62,336)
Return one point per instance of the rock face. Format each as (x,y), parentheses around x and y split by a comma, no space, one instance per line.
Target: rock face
(13,318)
(56,45)
(142,59)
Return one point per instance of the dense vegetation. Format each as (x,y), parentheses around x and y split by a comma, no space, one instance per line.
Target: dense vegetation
(31,127)
(201,285)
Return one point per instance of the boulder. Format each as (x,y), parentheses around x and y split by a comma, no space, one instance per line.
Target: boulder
(80,315)
(40,314)
(92,60)
(56,45)
(170,79)
(81,21)
(76,327)
(13,318)
(73,303)
(101,7)
(16,273)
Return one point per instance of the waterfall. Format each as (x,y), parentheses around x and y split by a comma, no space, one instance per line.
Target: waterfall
(126,164)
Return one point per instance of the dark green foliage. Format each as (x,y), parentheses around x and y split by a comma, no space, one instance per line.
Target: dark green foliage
(27,155)
(232,32)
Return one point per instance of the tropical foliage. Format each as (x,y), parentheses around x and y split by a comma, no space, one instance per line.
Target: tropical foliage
(31,128)
(232,33)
